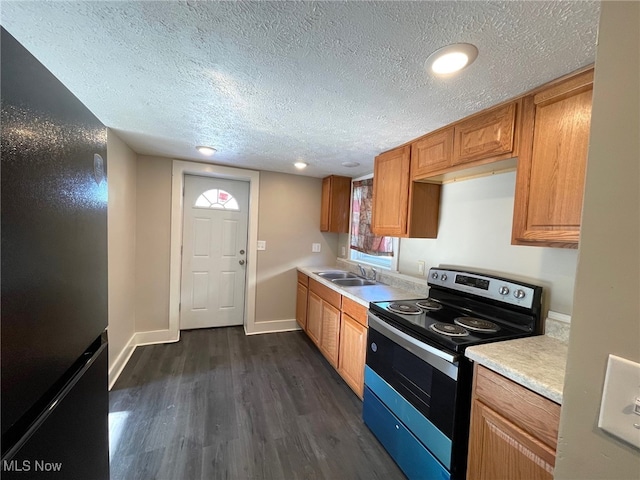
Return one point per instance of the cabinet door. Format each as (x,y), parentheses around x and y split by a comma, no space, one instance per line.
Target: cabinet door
(301,306)
(391,192)
(330,334)
(314,318)
(353,348)
(336,199)
(487,135)
(499,449)
(552,164)
(431,153)
(325,205)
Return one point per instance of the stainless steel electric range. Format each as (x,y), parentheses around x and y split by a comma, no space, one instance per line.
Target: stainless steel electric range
(418,382)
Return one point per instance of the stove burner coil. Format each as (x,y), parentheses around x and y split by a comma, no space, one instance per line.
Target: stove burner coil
(429,305)
(477,324)
(404,308)
(449,329)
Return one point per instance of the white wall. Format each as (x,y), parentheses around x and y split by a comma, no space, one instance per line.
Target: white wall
(153,236)
(289,221)
(606,314)
(121,218)
(475,233)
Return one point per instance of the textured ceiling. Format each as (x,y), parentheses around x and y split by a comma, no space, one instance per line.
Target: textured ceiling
(269,83)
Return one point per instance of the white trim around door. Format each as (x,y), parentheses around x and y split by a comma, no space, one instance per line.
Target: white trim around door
(180,168)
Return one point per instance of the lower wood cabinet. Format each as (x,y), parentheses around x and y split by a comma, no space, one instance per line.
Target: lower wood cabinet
(302,294)
(338,327)
(314,317)
(330,335)
(513,430)
(353,349)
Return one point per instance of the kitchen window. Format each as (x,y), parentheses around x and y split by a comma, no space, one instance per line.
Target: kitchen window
(365,247)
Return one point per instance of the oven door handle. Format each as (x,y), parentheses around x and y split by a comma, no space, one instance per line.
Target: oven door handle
(443,361)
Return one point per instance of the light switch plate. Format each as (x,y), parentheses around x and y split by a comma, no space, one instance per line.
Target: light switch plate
(315,247)
(262,244)
(619,396)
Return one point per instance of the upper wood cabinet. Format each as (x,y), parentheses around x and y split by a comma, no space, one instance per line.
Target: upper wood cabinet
(489,134)
(513,432)
(336,197)
(552,163)
(431,153)
(402,208)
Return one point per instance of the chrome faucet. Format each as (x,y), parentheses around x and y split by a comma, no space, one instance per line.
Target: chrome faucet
(362,271)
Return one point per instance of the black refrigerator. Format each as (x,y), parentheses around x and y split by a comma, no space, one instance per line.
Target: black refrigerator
(53,316)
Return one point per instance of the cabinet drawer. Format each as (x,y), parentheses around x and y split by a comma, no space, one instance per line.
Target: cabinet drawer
(533,413)
(431,153)
(303,279)
(355,310)
(486,135)
(330,296)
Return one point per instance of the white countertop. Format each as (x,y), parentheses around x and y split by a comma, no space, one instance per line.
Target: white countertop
(537,363)
(361,295)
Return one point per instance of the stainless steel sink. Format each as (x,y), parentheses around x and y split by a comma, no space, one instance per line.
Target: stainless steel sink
(353,282)
(336,274)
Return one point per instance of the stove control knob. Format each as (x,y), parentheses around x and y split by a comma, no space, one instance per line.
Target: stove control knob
(443,277)
(519,294)
(434,275)
(504,290)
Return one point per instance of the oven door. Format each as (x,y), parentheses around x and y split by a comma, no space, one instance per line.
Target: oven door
(411,385)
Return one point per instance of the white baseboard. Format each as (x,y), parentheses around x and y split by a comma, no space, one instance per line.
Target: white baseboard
(121,361)
(273,326)
(156,336)
(138,339)
(166,336)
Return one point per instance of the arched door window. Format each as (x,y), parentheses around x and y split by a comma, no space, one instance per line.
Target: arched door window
(217,198)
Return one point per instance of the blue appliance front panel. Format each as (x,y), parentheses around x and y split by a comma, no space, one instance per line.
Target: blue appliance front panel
(436,441)
(412,457)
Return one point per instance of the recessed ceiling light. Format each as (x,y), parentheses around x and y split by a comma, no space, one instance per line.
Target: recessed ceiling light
(208,151)
(350,164)
(452,58)
(300,165)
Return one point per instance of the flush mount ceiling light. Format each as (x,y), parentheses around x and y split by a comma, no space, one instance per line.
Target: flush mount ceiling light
(350,164)
(300,165)
(208,151)
(451,59)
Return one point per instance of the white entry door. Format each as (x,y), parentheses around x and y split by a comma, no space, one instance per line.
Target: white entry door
(214,246)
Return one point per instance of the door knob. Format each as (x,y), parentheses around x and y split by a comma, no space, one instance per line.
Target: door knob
(241,262)
(241,252)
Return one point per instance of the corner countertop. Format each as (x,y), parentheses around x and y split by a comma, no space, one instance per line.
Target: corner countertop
(361,295)
(537,363)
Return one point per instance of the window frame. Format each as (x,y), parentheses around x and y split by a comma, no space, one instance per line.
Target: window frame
(386,263)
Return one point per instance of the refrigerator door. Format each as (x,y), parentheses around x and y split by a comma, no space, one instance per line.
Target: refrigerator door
(71,438)
(54,233)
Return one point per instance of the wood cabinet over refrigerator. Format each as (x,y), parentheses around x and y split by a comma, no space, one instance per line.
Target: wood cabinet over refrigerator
(336,199)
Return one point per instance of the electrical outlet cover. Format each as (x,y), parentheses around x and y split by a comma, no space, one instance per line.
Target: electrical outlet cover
(262,245)
(619,396)
(315,247)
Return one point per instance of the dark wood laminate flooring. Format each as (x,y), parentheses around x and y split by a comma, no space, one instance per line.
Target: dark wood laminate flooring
(222,405)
